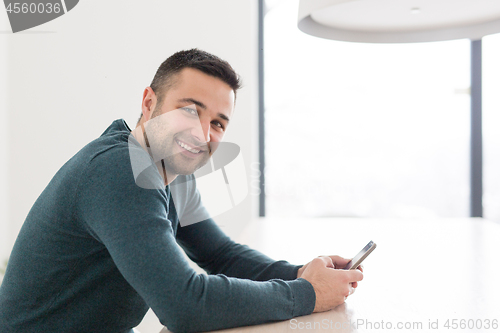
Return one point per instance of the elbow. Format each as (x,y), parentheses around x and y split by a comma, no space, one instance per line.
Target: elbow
(187,311)
(181,320)
(176,326)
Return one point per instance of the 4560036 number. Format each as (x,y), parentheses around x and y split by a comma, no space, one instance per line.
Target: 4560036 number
(471,324)
(23,7)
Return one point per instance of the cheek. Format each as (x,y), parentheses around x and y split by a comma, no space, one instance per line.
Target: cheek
(216,137)
(181,124)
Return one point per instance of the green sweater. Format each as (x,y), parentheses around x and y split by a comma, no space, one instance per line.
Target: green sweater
(97,251)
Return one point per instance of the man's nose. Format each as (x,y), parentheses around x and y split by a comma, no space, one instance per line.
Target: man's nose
(202,131)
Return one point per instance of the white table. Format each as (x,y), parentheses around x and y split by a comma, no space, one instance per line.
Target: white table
(423,275)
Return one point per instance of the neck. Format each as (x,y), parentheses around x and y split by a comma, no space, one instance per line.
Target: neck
(167,176)
(140,136)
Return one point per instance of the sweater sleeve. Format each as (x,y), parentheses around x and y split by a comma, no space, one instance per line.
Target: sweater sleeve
(207,245)
(132,224)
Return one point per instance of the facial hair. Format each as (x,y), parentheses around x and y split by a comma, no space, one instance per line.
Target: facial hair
(166,139)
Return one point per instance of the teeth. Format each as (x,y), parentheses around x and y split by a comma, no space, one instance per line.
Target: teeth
(192,150)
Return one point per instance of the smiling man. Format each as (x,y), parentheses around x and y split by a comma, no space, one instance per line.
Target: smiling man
(102,244)
(196,110)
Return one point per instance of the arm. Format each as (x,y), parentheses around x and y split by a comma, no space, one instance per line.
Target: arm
(132,223)
(207,245)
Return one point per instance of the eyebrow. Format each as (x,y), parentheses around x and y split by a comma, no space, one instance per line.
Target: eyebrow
(223,116)
(203,106)
(193,101)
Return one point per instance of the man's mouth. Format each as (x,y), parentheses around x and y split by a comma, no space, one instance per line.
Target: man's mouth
(189,148)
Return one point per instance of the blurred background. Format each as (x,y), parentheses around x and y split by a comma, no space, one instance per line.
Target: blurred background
(374,130)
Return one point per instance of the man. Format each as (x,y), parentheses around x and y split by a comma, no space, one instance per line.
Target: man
(101,244)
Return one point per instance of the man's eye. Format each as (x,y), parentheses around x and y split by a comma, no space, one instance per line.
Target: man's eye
(218,125)
(190,111)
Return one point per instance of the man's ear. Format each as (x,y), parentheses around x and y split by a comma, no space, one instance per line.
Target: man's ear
(148,103)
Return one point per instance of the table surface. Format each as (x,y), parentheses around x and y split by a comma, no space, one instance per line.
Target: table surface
(424,276)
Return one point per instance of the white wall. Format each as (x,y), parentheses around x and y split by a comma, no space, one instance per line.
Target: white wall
(5,235)
(68,79)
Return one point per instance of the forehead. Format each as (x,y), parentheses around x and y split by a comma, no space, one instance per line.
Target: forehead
(211,91)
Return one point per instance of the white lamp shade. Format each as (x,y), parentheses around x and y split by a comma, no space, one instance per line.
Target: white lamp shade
(399,21)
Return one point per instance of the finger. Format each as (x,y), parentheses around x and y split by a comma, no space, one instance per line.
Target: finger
(351,291)
(360,267)
(354,276)
(354,284)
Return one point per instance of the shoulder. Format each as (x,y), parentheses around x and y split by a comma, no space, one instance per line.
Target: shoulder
(117,157)
(127,162)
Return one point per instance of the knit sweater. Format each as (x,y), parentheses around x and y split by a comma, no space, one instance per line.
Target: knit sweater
(96,251)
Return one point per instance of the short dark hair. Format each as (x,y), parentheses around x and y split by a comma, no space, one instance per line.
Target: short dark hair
(205,62)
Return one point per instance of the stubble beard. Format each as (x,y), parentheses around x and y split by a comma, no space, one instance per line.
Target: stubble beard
(175,163)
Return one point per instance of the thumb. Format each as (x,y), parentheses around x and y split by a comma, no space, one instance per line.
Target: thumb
(339,261)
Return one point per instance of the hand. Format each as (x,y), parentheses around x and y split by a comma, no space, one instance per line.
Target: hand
(331,284)
(339,263)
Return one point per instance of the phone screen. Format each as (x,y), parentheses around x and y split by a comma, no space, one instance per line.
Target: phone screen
(354,263)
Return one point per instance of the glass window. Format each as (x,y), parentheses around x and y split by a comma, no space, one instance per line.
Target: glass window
(365,130)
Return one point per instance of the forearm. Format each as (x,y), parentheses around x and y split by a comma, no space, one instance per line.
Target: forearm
(240,261)
(217,302)
(216,253)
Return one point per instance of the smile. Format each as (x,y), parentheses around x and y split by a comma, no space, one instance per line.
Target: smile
(188,148)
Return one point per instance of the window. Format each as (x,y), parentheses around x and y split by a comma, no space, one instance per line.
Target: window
(365,130)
